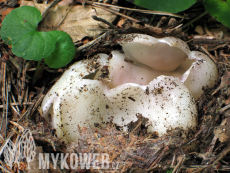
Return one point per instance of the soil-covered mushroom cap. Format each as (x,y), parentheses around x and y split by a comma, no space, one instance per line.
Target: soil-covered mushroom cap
(171,56)
(120,88)
(165,102)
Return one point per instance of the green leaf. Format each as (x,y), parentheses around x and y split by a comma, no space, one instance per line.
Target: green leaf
(172,6)
(18,22)
(34,45)
(169,171)
(19,29)
(219,9)
(64,51)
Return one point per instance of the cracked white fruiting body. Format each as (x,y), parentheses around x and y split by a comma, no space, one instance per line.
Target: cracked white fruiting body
(127,85)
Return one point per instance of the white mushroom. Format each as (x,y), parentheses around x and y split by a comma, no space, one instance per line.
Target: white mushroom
(194,68)
(119,88)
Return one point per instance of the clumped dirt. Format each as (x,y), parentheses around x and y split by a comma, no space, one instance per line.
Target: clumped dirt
(135,151)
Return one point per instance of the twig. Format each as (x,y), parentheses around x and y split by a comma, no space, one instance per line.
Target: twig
(4,169)
(200,39)
(14,109)
(221,44)
(221,155)
(7,101)
(223,168)
(207,52)
(19,82)
(101,30)
(153,169)
(224,109)
(193,20)
(93,42)
(1,138)
(158,159)
(13,98)
(178,166)
(26,96)
(14,62)
(16,65)
(51,5)
(17,103)
(136,157)
(23,81)
(200,170)
(216,55)
(173,160)
(193,138)
(6,166)
(13,131)
(41,97)
(3,75)
(138,125)
(120,14)
(26,114)
(224,54)
(104,21)
(4,93)
(21,129)
(138,10)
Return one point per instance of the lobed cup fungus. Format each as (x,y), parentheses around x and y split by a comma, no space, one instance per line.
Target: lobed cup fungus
(155,78)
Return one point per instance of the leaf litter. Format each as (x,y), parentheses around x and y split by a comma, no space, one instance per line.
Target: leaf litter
(137,151)
(75,20)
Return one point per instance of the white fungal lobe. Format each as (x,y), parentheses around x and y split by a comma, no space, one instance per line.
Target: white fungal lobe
(152,78)
(151,51)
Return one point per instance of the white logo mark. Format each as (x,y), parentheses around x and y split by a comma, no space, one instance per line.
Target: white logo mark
(24,148)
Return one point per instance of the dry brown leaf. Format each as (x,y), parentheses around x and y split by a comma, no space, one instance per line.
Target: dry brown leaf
(222,132)
(5,12)
(220,31)
(76,20)
(65,2)
(224,82)
(199,30)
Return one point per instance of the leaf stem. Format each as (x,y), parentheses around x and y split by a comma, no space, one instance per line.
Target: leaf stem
(37,72)
(193,20)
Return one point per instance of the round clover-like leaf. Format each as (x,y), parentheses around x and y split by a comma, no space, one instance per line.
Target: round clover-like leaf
(172,6)
(18,22)
(219,9)
(34,45)
(19,29)
(64,51)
